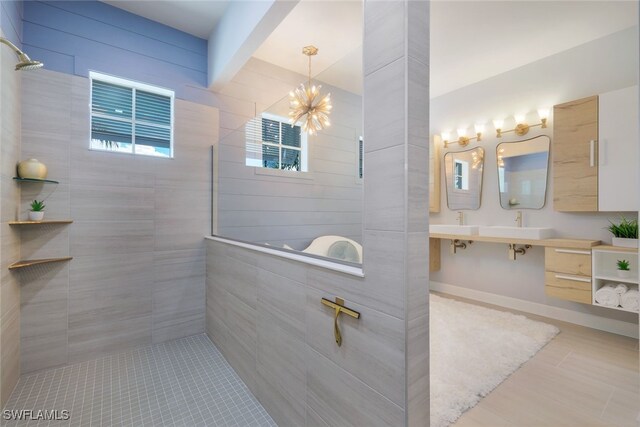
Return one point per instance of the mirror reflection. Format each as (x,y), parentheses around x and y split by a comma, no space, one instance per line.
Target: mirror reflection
(463,174)
(522,172)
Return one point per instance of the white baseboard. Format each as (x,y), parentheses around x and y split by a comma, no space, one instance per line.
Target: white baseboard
(584,319)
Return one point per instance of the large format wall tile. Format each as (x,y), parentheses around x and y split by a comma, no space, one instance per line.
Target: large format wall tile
(43,329)
(178,294)
(372,347)
(343,400)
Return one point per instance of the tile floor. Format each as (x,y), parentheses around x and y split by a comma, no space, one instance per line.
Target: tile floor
(185,382)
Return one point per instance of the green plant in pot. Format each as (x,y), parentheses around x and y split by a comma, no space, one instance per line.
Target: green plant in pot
(625,233)
(37,210)
(624,269)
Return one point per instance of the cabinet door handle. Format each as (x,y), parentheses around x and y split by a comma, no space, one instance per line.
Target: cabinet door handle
(572,251)
(573,278)
(592,153)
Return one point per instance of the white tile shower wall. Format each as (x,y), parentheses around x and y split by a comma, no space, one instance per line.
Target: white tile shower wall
(290,210)
(138,271)
(613,60)
(264,312)
(9,202)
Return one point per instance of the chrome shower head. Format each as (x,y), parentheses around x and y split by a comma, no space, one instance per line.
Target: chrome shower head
(25,63)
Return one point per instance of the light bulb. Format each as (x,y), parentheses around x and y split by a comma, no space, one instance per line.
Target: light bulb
(520,118)
(479,127)
(543,113)
(446,135)
(462,132)
(498,123)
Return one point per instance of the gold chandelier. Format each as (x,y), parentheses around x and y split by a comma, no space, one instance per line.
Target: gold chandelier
(307,105)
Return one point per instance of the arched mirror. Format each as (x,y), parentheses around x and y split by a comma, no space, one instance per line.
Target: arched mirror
(522,172)
(463,175)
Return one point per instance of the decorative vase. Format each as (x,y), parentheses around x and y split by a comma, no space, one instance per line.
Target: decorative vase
(624,274)
(36,216)
(32,169)
(624,243)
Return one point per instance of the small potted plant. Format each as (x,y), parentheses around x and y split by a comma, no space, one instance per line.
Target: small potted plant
(625,233)
(623,268)
(37,210)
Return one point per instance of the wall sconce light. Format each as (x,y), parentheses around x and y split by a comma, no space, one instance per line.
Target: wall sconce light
(522,127)
(498,123)
(479,127)
(463,139)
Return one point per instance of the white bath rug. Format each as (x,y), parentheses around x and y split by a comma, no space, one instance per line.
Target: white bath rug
(473,349)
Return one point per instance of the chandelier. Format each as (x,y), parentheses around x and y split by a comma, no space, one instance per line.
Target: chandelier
(307,105)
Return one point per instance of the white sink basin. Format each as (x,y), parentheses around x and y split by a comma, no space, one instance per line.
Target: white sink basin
(534,233)
(466,230)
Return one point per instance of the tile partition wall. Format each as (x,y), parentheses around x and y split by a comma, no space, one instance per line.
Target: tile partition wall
(138,271)
(264,312)
(10,26)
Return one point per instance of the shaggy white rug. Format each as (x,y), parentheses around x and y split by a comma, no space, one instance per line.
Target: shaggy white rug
(473,349)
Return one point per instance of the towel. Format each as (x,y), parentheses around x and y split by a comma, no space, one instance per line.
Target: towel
(630,300)
(621,288)
(608,296)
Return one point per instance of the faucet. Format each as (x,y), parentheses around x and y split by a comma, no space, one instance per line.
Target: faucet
(460,218)
(519,218)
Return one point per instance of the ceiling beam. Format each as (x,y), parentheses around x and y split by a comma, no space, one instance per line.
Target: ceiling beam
(242,29)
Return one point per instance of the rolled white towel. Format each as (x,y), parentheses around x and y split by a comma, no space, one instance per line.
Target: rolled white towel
(621,288)
(608,296)
(630,300)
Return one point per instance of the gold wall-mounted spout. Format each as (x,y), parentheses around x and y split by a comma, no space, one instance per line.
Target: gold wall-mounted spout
(339,307)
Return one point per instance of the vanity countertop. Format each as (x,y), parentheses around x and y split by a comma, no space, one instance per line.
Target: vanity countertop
(556,242)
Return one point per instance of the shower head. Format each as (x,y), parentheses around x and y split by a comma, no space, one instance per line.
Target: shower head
(25,63)
(28,65)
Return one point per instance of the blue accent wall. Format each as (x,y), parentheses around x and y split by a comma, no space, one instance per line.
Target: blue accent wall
(76,37)
(11,20)
(525,162)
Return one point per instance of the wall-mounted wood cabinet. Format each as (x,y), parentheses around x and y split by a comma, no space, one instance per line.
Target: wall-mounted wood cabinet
(575,171)
(595,152)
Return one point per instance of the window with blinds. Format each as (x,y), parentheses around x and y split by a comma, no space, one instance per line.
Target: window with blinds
(130,117)
(271,142)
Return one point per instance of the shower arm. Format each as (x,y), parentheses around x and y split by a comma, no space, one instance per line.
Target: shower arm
(12,46)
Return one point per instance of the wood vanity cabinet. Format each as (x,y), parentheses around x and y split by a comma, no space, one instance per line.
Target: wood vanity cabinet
(575,171)
(595,152)
(568,274)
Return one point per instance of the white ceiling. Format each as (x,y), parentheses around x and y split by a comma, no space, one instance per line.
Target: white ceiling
(334,27)
(196,17)
(470,40)
(474,40)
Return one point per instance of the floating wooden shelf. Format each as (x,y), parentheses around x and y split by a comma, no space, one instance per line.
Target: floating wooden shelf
(50,181)
(31,262)
(49,221)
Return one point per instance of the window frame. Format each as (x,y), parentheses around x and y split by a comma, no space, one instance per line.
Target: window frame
(134,86)
(303,149)
(464,176)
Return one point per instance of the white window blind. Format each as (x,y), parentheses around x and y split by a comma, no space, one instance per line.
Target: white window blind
(131,117)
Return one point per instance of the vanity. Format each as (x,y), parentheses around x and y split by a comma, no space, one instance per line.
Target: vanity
(594,147)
